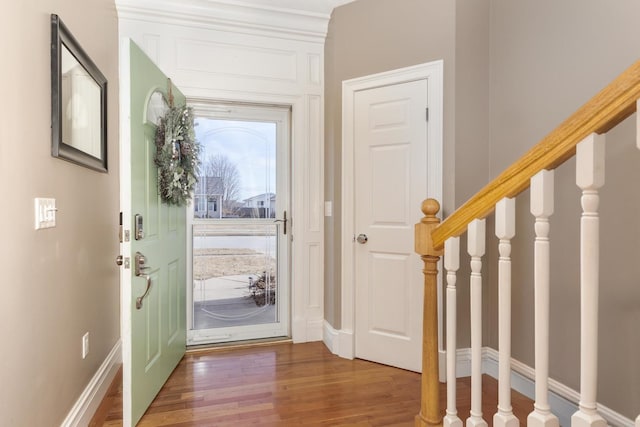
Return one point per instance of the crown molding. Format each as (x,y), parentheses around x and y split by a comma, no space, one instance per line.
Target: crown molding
(337,3)
(253,18)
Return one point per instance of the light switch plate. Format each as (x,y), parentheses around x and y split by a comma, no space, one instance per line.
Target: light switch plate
(328,208)
(45,213)
(85,345)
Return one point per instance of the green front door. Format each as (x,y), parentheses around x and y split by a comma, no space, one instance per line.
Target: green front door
(158,322)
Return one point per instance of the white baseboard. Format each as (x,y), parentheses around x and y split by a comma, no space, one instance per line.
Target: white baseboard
(88,402)
(339,342)
(463,362)
(304,330)
(331,338)
(562,399)
(347,348)
(315,330)
(299,330)
(523,381)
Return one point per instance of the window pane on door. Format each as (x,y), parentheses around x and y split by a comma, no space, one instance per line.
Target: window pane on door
(235,252)
(234,274)
(238,171)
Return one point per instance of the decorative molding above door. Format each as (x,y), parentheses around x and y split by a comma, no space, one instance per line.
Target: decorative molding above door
(291,19)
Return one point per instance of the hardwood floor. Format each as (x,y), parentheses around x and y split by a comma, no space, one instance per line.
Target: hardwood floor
(290,385)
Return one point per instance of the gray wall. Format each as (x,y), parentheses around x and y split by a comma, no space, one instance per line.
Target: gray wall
(57,283)
(547,59)
(471,129)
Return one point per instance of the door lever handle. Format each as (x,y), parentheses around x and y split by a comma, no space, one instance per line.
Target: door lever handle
(139,271)
(284,222)
(146,291)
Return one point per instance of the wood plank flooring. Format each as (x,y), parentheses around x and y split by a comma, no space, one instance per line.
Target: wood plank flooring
(290,385)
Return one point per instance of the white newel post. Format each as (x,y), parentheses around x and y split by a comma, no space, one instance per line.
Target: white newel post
(589,177)
(541,209)
(505,231)
(451,265)
(475,248)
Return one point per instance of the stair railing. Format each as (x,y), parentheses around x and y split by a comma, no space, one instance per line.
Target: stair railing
(581,135)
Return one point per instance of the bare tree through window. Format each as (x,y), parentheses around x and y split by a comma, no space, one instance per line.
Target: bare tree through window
(219,166)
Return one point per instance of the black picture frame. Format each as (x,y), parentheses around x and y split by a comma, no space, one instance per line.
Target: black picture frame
(78,102)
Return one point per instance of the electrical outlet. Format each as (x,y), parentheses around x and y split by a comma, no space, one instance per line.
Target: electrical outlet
(85,345)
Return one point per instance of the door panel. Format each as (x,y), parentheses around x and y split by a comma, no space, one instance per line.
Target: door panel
(390,180)
(388,316)
(158,328)
(388,203)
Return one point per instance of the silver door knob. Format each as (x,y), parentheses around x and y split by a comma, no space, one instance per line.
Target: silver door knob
(362,239)
(119,260)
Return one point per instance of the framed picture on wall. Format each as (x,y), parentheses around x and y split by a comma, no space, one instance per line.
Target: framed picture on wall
(78,102)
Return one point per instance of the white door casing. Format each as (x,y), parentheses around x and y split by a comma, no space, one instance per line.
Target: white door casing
(368,269)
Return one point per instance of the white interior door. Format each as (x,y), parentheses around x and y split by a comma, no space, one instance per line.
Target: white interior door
(390,147)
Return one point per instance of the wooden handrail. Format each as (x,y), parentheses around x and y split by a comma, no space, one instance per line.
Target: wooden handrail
(608,108)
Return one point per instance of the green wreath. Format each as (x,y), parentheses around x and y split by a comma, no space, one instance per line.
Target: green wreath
(176,156)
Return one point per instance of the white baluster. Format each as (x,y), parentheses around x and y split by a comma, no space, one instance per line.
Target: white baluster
(475,247)
(589,177)
(541,209)
(451,264)
(505,230)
